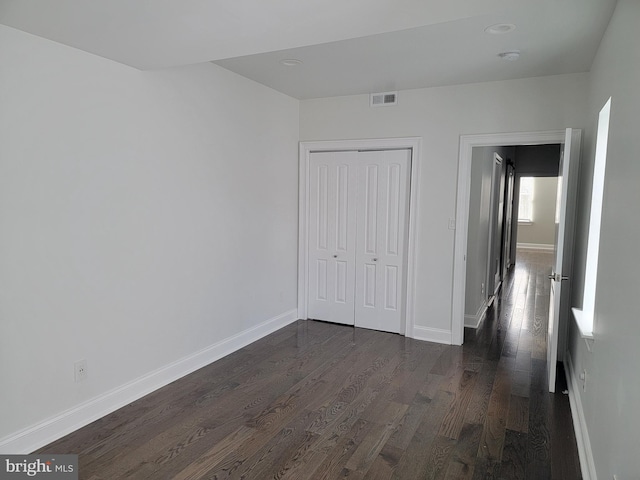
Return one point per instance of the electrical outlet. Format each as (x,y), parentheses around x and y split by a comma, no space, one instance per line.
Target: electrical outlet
(482,289)
(452,223)
(80,370)
(583,377)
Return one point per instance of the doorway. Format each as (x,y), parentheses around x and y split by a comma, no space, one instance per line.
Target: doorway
(308,274)
(564,222)
(467,145)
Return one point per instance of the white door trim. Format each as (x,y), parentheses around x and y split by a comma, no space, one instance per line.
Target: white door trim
(306,148)
(467,142)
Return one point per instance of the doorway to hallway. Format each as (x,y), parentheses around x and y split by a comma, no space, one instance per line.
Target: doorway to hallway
(559,313)
(511,203)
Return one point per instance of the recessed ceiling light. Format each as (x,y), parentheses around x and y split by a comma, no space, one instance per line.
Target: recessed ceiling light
(510,56)
(291,62)
(500,28)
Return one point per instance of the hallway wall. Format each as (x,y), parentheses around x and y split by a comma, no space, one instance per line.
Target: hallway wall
(476,291)
(542,230)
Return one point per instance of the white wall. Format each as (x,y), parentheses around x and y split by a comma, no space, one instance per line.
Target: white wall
(144,216)
(542,230)
(478,229)
(612,395)
(440,115)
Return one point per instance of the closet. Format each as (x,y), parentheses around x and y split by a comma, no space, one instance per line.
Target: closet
(358,222)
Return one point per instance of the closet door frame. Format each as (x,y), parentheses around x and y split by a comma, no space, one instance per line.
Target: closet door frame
(414,144)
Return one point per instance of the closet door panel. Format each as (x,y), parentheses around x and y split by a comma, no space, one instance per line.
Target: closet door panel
(382,208)
(332,236)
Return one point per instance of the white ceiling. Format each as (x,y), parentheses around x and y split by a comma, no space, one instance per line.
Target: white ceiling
(347,46)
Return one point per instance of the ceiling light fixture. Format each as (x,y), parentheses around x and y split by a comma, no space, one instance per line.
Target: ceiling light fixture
(510,56)
(291,62)
(500,28)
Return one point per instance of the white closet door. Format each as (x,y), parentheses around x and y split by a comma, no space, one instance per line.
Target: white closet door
(382,207)
(332,236)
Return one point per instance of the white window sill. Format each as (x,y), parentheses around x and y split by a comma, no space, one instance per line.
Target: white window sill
(525,222)
(584,321)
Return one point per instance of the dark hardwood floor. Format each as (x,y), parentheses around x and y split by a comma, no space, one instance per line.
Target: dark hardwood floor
(321,401)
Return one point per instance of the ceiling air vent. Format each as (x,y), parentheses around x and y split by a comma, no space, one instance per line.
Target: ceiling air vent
(383,99)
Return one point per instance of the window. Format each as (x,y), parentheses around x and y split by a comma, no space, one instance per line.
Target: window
(584,317)
(525,202)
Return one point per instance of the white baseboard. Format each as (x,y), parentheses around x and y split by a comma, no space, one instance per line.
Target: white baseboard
(473,321)
(45,432)
(435,335)
(587,464)
(535,246)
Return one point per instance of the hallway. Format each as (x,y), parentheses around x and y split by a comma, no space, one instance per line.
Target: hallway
(539,440)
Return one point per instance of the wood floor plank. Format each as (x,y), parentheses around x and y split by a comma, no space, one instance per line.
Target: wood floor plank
(213,456)
(316,400)
(521,383)
(454,418)
(518,419)
(385,464)
(336,458)
(513,465)
(477,410)
(380,470)
(269,459)
(438,457)
(409,423)
(539,437)
(492,439)
(353,399)
(463,459)
(374,441)
(414,462)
